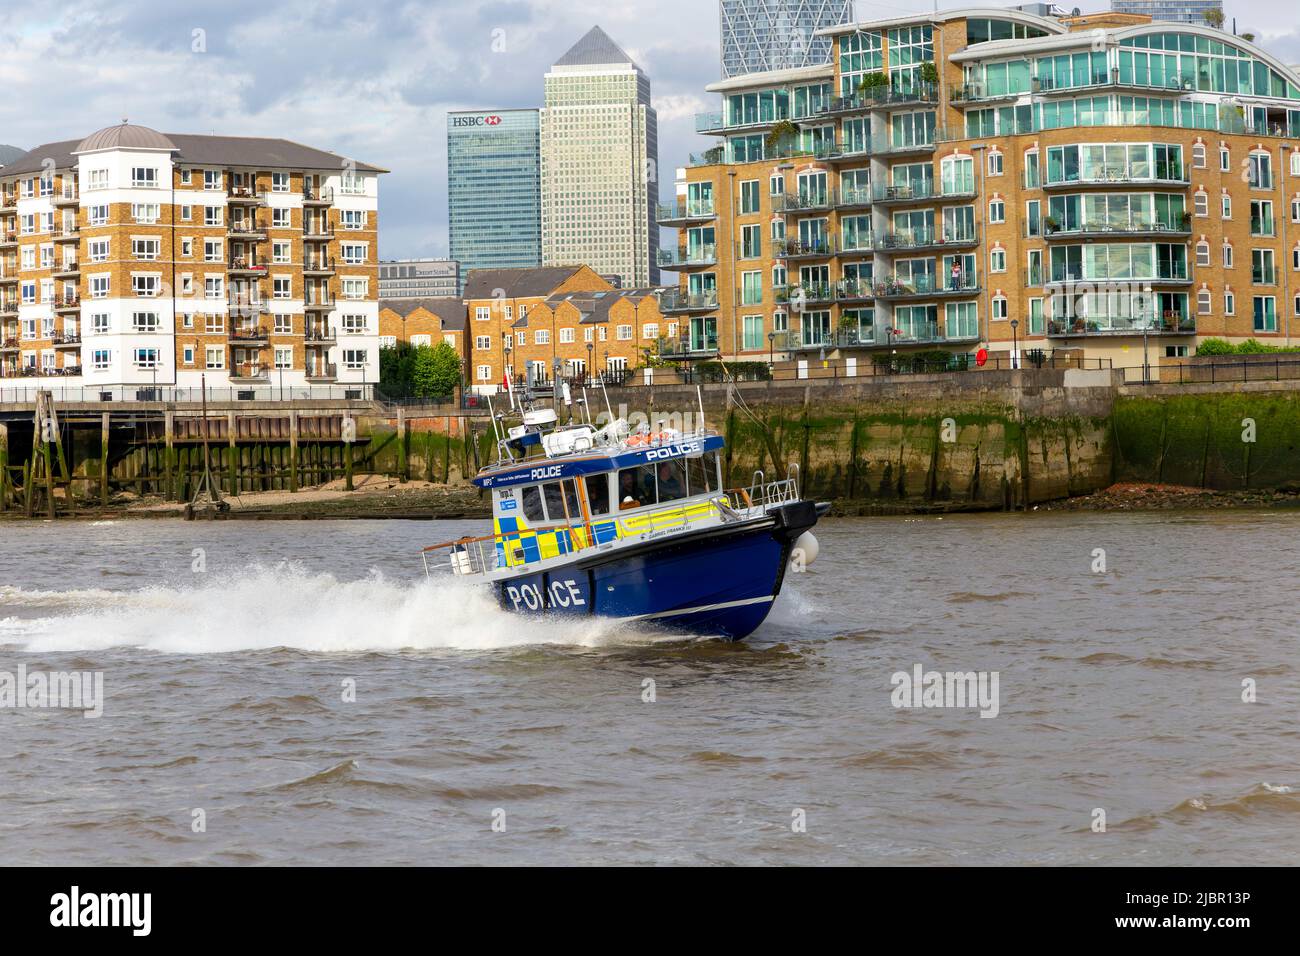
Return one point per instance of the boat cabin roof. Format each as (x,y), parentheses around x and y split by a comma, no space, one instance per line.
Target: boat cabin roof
(613,458)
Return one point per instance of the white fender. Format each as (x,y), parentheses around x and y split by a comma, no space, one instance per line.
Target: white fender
(805,549)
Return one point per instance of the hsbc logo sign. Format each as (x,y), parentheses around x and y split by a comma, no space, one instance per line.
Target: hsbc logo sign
(463,121)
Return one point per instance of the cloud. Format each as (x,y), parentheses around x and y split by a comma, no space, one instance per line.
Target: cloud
(370,80)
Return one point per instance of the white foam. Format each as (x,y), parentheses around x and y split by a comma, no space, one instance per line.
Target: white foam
(287,606)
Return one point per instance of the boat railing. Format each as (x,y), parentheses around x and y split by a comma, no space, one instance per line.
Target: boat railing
(469,555)
(764,494)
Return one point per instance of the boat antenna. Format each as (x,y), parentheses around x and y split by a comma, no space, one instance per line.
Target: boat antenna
(699,392)
(608,409)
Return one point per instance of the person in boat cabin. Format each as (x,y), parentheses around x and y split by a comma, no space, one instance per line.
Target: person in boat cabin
(629,494)
(670,485)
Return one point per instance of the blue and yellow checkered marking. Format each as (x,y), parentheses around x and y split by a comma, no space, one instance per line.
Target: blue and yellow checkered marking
(517,544)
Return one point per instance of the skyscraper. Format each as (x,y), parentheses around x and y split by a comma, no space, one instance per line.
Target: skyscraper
(599,163)
(761,35)
(493,189)
(1179,11)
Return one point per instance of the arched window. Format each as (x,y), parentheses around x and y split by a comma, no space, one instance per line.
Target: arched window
(1198,155)
(1203,253)
(1203,302)
(1202,202)
(1227,255)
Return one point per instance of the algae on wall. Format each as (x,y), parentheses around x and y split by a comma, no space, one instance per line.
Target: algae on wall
(1217,440)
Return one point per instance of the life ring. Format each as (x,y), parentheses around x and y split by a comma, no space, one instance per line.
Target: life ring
(636,441)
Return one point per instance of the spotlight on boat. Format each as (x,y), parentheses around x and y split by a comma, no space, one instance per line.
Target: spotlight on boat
(805,549)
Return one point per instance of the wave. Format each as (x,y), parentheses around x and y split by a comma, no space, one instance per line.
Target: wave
(286,606)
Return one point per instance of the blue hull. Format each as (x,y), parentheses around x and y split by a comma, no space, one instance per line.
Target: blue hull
(716,582)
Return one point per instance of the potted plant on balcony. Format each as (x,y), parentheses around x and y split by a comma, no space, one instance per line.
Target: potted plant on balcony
(930,74)
(1185,220)
(1051,223)
(872,84)
(782,137)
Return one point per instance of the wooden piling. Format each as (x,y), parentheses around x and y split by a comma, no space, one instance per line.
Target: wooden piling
(103,460)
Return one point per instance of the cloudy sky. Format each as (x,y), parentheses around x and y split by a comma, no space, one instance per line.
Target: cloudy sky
(374,79)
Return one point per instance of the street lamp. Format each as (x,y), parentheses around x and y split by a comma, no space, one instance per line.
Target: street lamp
(1015,363)
(771,349)
(506,345)
(591,348)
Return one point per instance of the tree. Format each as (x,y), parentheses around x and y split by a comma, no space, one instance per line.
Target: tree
(929,73)
(872,82)
(435,372)
(1248,37)
(1214,18)
(395,370)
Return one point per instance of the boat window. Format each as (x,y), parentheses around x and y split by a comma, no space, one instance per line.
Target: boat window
(533,504)
(557,501)
(636,486)
(671,479)
(701,475)
(598,494)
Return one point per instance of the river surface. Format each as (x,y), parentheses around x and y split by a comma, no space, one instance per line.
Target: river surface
(479,737)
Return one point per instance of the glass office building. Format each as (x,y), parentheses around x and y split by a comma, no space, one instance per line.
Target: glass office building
(762,35)
(1180,11)
(494,206)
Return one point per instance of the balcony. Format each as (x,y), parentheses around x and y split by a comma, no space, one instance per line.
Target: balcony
(880,98)
(67,233)
(9,277)
(320,336)
(246,266)
(312,196)
(317,231)
(803,202)
(1168,323)
(68,303)
(321,302)
(8,200)
(714,123)
(814,339)
(9,345)
(690,347)
(66,341)
(821,248)
(926,239)
(1105,230)
(318,266)
(806,295)
(244,196)
(885,146)
(926,333)
(854,290)
(1159,176)
(683,212)
(9,307)
(677,301)
(852,247)
(1170,274)
(969,93)
(249,333)
(8,238)
(694,258)
(68,269)
(248,372)
(923,192)
(851,197)
(67,195)
(927,287)
(322,372)
(250,228)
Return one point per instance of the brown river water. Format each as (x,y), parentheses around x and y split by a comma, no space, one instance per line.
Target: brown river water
(475,736)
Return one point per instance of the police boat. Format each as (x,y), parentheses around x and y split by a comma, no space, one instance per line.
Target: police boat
(631,524)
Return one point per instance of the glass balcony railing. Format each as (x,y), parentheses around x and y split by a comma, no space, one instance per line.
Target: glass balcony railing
(927,238)
(695,256)
(926,286)
(1167,323)
(677,300)
(1119,175)
(684,209)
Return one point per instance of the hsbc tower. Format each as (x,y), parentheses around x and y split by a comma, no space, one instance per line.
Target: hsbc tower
(494,189)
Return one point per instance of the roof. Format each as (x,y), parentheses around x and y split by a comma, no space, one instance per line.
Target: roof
(450,310)
(517,283)
(198,150)
(9,153)
(772,78)
(1050,24)
(595,49)
(125,136)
